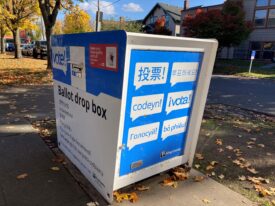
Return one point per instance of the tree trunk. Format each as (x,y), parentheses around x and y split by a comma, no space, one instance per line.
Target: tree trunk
(16,38)
(48,37)
(2,40)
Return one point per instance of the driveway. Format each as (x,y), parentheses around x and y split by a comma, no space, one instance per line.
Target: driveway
(252,94)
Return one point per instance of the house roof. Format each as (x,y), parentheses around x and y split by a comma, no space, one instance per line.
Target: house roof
(203,7)
(173,11)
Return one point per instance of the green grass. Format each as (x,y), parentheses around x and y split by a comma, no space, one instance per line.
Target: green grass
(240,68)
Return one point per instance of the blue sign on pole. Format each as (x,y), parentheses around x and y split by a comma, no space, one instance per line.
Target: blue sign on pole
(253,54)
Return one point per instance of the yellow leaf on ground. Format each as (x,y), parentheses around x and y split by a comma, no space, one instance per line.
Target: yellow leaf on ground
(237,162)
(142,188)
(22,176)
(253,139)
(209,167)
(198,178)
(181,175)
(220,149)
(273,202)
(169,182)
(252,170)
(197,166)
(250,142)
(229,147)
(218,142)
(206,201)
(55,168)
(221,176)
(261,145)
(133,197)
(119,197)
(242,178)
(199,156)
(249,146)
(263,192)
(213,173)
(213,163)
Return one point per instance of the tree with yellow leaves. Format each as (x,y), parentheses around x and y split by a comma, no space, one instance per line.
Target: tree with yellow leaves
(77,21)
(3,31)
(58,27)
(18,14)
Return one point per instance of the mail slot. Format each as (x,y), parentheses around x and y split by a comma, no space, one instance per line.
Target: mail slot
(129,105)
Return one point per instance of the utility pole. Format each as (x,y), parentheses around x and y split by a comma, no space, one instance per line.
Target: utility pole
(98,17)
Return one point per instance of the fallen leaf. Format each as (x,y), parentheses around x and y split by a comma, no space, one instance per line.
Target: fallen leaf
(213,173)
(218,141)
(241,159)
(250,143)
(229,147)
(133,197)
(221,176)
(237,162)
(239,136)
(263,192)
(254,180)
(206,201)
(197,166)
(253,139)
(58,159)
(252,170)
(273,202)
(199,156)
(120,197)
(55,168)
(181,175)
(268,154)
(169,182)
(213,163)
(220,149)
(198,178)
(22,176)
(261,145)
(249,146)
(209,167)
(142,188)
(242,178)
(207,134)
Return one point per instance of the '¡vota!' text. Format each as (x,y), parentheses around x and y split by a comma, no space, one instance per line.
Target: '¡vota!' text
(81,101)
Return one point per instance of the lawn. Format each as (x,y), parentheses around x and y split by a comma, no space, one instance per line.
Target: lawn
(238,147)
(241,67)
(25,71)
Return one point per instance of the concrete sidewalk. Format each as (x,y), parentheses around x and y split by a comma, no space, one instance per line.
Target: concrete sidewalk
(23,151)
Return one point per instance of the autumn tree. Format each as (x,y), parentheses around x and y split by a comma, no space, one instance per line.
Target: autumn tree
(3,31)
(17,14)
(228,25)
(77,21)
(49,10)
(58,27)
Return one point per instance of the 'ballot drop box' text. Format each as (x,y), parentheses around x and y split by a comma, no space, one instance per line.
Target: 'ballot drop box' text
(128,105)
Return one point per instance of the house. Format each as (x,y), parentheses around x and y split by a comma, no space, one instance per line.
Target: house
(262,39)
(172,16)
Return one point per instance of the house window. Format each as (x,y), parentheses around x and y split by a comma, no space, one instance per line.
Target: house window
(271,18)
(260,18)
(272,2)
(262,3)
(167,18)
(153,19)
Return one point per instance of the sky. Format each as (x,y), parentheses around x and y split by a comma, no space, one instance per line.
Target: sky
(132,9)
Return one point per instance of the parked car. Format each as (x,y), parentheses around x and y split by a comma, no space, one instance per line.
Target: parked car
(39,49)
(27,49)
(10,47)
